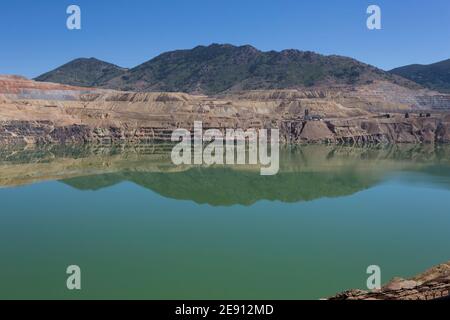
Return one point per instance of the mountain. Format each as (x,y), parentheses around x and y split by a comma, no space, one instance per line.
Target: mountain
(435,76)
(83,72)
(223,68)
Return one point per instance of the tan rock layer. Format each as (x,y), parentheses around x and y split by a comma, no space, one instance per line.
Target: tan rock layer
(17,84)
(33,112)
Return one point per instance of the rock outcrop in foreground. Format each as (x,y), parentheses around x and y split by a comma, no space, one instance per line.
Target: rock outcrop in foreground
(430,285)
(40,113)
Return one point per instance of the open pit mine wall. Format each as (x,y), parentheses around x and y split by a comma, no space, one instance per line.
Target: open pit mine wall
(435,102)
(354,131)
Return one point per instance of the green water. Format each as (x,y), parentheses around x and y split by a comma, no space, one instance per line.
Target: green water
(141,228)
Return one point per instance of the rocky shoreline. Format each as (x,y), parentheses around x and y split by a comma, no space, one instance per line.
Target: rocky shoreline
(430,285)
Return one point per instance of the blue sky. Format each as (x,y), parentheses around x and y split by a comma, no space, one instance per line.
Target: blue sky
(35,39)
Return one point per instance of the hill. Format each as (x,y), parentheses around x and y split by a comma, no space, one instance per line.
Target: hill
(223,68)
(83,72)
(434,76)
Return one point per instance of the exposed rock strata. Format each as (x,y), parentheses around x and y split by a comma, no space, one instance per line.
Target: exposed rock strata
(38,113)
(357,131)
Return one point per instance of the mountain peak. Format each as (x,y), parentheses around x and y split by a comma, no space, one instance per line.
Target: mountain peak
(84,72)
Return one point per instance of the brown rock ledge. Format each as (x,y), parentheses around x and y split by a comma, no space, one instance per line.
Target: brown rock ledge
(432,284)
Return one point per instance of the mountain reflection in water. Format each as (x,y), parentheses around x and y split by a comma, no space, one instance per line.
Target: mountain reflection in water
(306,172)
(142,228)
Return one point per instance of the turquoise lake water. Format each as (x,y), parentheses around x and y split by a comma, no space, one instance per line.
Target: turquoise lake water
(140,228)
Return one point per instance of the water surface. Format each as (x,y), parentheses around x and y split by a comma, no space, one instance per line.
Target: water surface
(142,228)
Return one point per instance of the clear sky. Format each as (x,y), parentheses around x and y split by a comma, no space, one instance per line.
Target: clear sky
(34,38)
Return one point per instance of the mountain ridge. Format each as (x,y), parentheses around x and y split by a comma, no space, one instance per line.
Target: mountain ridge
(435,76)
(219,68)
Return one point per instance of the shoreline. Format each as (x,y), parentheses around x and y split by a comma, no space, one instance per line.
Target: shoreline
(430,285)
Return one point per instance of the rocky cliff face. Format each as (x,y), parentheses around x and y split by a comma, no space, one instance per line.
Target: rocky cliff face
(356,131)
(369,130)
(38,113)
